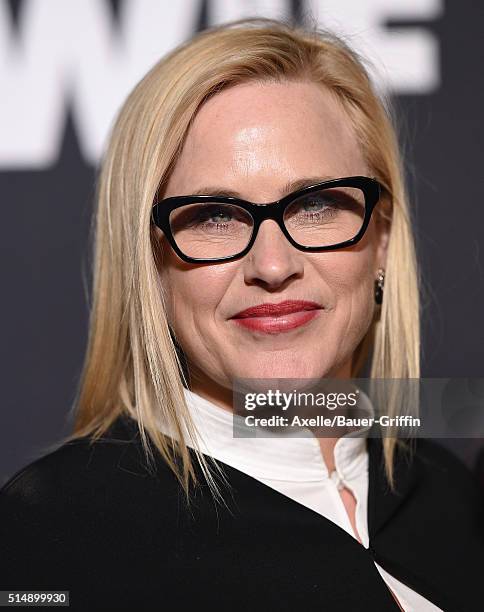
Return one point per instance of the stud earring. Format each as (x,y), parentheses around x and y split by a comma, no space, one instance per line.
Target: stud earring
(379,282)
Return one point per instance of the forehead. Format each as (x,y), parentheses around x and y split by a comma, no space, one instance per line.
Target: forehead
(269,133)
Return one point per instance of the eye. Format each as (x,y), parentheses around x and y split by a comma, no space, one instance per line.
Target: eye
(327,200)
(316,202)
(209,217)
(313,207)
(215,215)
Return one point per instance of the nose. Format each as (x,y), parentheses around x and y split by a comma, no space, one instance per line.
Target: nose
(272,260)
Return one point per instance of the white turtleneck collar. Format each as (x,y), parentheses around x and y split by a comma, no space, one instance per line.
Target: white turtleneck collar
(281,457)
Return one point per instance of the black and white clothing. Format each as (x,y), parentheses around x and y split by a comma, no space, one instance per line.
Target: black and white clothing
(94,519)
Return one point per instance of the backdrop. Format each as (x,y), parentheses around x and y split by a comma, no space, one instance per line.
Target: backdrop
(65,68)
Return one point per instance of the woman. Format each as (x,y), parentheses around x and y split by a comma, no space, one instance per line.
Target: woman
(154,501)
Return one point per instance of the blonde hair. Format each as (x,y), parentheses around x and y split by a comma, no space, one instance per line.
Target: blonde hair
(132,365)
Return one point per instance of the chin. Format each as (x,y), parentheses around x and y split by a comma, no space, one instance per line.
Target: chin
(273,369)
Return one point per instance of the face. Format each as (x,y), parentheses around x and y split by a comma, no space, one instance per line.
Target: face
(253,139)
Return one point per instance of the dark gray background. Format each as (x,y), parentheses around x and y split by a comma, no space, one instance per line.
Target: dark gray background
(44,242)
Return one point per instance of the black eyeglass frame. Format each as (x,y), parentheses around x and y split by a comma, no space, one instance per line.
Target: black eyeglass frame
(162,209)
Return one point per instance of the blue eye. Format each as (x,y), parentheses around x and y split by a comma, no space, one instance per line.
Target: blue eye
(216,215)
(312,203)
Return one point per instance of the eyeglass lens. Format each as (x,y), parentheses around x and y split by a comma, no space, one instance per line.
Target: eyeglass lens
(320,218)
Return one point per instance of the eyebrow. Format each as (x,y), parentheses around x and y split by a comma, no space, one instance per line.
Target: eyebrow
(288,188)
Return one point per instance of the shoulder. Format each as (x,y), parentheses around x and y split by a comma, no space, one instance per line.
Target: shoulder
(436,460)
(83,473)
(82,513)
(429,480)
(447,483)
(433,519)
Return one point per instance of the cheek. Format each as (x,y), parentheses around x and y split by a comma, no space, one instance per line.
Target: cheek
(193,294)
(349,277)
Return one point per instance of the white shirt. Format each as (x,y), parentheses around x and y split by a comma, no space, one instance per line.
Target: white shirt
(295,467)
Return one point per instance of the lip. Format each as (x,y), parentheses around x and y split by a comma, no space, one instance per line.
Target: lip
(277,318)
(276,310)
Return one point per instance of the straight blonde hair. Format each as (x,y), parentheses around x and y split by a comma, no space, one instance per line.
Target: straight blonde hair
(132,365)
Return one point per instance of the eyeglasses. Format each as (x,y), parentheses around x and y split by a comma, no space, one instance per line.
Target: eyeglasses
(330,215)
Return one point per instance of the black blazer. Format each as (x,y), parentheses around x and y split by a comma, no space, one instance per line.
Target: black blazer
(96,522)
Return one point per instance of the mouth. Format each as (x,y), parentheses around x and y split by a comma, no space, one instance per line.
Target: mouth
(278,318)
(276,325)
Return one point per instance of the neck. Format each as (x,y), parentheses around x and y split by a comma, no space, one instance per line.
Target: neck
(327,451)
(222,396)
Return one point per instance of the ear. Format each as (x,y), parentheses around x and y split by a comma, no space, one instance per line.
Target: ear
(158,246)
(383,227)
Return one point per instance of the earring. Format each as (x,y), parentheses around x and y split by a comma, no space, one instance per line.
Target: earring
(379,282)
